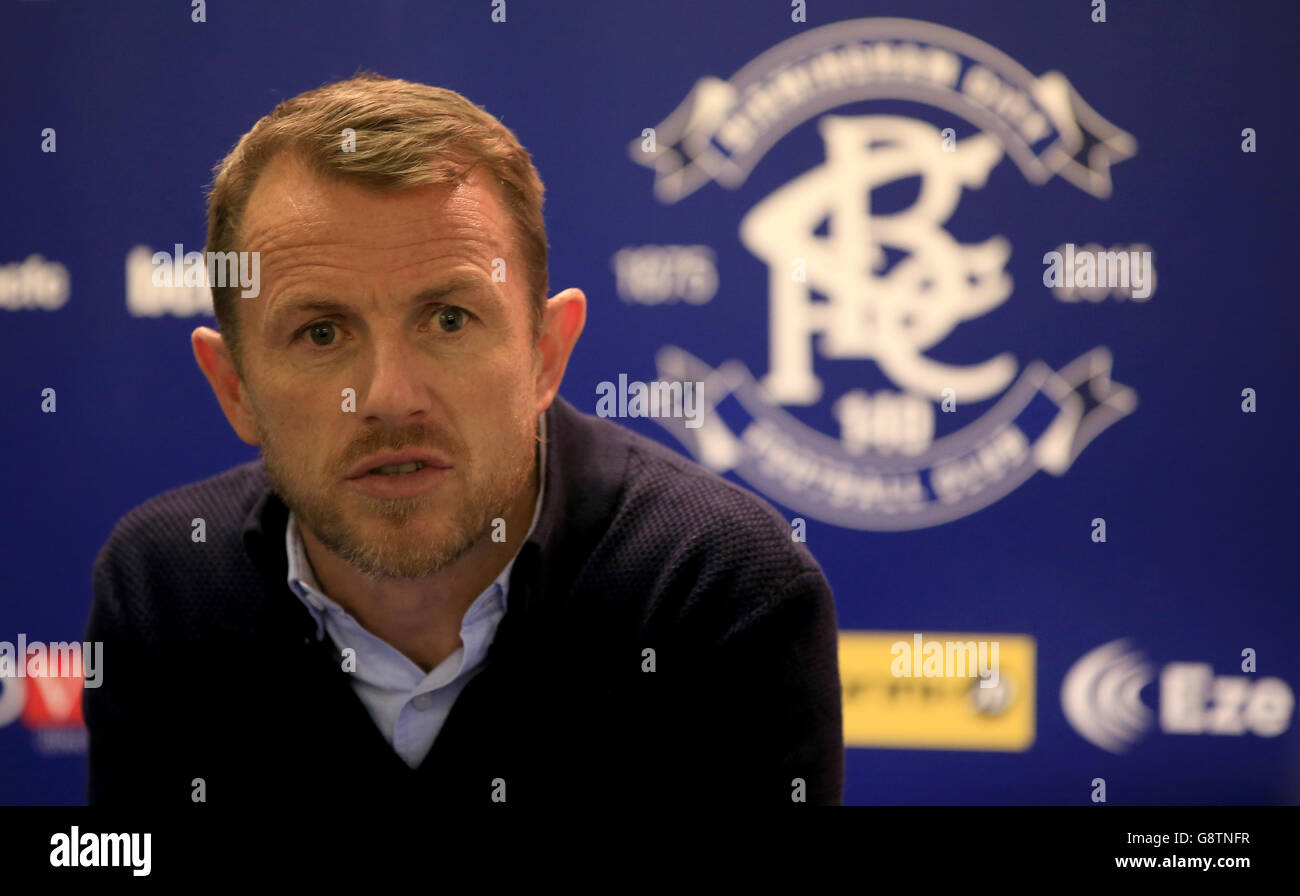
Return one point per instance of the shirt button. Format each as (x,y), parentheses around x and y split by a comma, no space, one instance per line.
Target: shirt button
(423,701)
(311,599)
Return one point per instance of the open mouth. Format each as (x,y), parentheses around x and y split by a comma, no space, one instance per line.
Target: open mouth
(403,480)
(398,469)
(403,474)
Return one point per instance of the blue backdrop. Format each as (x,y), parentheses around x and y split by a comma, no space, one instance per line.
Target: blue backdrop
(839,225)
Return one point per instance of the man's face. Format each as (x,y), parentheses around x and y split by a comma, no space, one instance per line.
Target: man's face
(390,295)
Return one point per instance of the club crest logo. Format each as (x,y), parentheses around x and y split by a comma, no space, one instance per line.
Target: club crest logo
(884,286)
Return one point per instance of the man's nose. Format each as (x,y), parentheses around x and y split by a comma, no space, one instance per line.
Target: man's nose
(395,391)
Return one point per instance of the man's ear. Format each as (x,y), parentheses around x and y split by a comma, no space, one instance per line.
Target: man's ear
(562,323)
(213,357)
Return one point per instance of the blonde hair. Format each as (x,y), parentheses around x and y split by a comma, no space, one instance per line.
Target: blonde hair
(406,135)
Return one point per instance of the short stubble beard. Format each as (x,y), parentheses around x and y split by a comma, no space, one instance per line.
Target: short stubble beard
(389,555)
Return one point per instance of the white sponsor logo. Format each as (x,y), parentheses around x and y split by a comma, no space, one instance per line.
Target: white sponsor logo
(34,283)
(146,299)
(1102,699)
(181,282)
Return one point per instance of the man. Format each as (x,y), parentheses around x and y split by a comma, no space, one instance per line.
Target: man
(441,583)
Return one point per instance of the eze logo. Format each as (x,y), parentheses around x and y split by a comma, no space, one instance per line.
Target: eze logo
(1101,698)
(102,851)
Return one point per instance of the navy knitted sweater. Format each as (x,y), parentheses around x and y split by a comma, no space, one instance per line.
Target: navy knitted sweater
(215,685)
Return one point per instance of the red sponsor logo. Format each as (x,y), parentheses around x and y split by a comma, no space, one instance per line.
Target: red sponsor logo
(53,702)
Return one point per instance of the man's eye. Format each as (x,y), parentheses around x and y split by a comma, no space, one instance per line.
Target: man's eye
(452,318)
(322,333)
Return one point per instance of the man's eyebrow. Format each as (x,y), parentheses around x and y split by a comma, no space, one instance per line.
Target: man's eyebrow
(319,304)
(459,282)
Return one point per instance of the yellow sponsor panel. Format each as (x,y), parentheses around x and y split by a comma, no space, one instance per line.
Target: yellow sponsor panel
(921,690)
